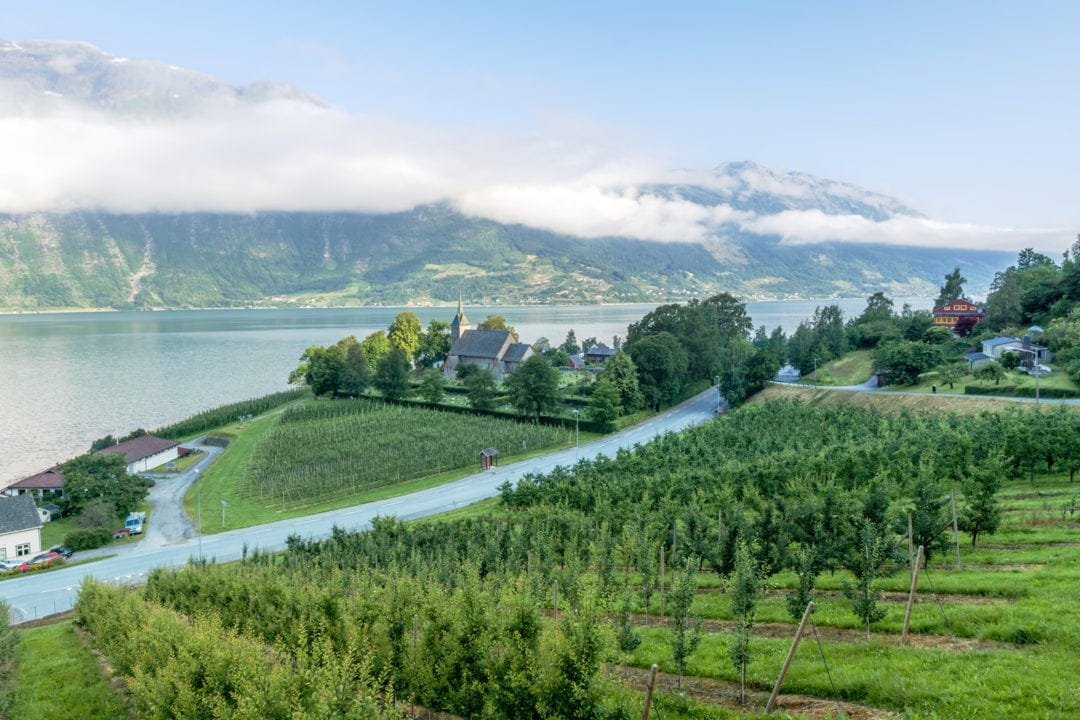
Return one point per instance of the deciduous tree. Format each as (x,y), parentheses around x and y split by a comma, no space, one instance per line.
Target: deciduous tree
(534,387)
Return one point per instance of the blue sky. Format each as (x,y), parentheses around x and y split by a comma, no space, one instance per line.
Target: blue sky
(968,111)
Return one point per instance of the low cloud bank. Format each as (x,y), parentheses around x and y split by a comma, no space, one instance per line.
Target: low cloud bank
(285,155)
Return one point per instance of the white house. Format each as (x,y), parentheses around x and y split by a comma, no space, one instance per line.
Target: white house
(994,347)
(144,452)
(20,528)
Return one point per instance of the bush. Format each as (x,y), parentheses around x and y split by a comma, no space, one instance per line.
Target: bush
(88,539)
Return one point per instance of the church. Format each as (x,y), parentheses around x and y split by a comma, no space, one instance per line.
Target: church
(494,350)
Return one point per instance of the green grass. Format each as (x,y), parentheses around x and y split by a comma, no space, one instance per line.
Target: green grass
(854,368)
(58,678)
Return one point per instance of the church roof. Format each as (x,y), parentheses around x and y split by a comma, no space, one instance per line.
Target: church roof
(517,352)
(481,343)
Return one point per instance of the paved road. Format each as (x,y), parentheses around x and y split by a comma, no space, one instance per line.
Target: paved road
(42,594)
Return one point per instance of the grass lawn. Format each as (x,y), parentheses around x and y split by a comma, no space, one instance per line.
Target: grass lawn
(854,368)
(56,677)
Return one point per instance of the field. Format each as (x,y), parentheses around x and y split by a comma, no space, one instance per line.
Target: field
(327,454)
(460,616)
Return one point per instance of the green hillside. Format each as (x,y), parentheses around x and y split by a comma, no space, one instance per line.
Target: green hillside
(89,259)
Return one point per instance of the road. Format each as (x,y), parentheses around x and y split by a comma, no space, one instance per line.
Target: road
(50,592)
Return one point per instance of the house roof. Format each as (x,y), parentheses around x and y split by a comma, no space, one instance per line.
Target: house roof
(51,479)
(601,349)
(18,513)
(481,343)
(518,352)
(975,356)
(999,340)
(138,448)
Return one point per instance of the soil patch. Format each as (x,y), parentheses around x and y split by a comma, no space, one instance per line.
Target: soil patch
(718,692)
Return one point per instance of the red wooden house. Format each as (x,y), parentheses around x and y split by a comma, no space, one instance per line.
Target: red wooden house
(960,316)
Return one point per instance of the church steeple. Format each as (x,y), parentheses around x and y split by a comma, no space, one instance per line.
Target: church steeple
(460,323)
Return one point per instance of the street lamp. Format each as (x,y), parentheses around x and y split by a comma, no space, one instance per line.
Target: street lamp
(198,512)
(577,435)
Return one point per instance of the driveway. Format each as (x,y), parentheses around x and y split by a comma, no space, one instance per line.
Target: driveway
(37,595)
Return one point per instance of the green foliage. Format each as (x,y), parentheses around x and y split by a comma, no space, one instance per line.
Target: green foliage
(103,478)
(225,414)
(479,387)
(88,539)
(434,344)
(404,333)
(869,557)
(745,585)
(497,322)
(534,387)
(329,447)
(392,374)
(990,372)
(902,361)
(433,386)
(604,405)
(953,289)
(981,511)
(622,372)
(685,633)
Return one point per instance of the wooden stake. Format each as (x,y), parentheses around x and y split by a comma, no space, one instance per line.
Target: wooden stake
(910,540)
(790,656)
(956,533)
(911,594)
(661,584)
(649,692)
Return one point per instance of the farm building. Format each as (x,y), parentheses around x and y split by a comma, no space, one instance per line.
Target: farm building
(20,528)
(144,452)
(494,350)
(49,483)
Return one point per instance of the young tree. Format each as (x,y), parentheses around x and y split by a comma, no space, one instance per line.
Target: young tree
(432,386)
(625,635)
(404,333)
(869,555)
(685,635)
(930,512)
(991,372)
(104,479)
(745,587)
(480,388)
(981,512)
(392,375)
(534,387)
(806,570)
(376,345)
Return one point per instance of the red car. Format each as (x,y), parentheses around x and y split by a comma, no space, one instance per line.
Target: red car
(47,558)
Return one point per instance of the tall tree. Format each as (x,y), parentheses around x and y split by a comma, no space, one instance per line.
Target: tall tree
(356,372)
(661,363)
(404,333)
(480,388)
(432,386)
(622,372)
(375,346)
(102,479)
(392,374)
(534,387)
(434,344)
(570,344)
(604,405)
(497,322)
(953,289)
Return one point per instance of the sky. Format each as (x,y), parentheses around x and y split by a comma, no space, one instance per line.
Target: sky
(551,113)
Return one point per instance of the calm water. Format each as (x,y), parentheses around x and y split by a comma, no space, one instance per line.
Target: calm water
(67,379)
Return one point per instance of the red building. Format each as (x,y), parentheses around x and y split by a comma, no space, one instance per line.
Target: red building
(960,316)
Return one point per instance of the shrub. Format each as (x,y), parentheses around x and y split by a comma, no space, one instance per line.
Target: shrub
(88,539)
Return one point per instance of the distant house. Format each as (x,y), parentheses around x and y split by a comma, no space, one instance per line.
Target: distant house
(494,350)
(55,513)
(1030,353)
(599,353)
(20,528)
(49,483)
(144,452)
(977,360)
(960,315)
(575,362)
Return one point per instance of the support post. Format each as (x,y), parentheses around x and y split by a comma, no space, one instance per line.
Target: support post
(955,531)
(911,594)
(661,584)
(649,692)
(790,656)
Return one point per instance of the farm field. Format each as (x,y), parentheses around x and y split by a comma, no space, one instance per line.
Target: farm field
(322,455)
(582,579)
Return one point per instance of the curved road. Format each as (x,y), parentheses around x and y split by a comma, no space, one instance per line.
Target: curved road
(42,594)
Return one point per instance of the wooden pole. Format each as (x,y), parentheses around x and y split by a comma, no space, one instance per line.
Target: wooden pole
(649,692)
(555,597)
(911,594)
(661,584)
(790,656)
(955,531)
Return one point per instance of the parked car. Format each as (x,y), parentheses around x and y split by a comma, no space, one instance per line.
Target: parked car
(47,558)
(5,566)
(62,550)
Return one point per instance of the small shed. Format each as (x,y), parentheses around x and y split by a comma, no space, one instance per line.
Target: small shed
(488,458)
(54,510)
(121,533)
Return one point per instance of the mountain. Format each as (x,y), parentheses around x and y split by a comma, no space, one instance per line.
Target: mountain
(747,229)
(38,76)
(91,259)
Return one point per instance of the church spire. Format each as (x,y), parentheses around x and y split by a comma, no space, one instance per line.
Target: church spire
(460,323)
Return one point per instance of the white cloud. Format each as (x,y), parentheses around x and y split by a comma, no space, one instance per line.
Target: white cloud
(286,155)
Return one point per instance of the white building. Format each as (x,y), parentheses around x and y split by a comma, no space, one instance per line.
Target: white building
(20,528)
